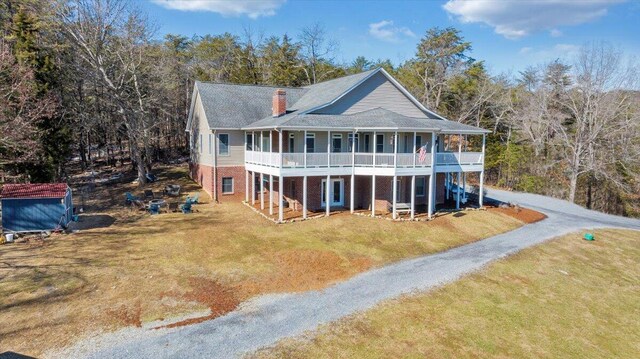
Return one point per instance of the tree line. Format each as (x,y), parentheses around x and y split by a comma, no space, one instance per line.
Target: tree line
(81,75)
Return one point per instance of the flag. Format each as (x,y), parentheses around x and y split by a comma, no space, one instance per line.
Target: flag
(423,155)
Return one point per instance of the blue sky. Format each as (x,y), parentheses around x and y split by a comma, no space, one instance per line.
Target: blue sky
(508,35)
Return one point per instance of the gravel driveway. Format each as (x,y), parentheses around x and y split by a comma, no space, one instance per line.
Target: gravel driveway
(263,321)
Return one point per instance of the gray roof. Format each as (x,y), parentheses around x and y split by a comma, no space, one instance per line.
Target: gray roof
(377,118)
(235,106)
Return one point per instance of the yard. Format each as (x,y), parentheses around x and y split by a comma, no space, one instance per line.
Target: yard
(565,299)
(127,268)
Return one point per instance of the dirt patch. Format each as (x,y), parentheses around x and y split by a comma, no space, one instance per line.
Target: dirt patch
(525,215)
(126,315)
(220,300)
(304,269)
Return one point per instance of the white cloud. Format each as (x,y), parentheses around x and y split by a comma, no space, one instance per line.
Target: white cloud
(558,51)
(251,8)
(555,33)
(514,19)
(385,31)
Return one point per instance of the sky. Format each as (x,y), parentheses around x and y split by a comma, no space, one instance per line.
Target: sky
(508,35)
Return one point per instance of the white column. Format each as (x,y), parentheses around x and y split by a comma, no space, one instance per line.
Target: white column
(305,149)
(327,202)
(459,149)
(395,196)
(432,178)
(413,196)
(458,192)
(281,197)
(304,196)
(373,196)
(328,149)
(353,172)
(261,141)
(280,150)
(481,191)
(415,149)
(464,185)
(270,143)
(271,195)
(261,191)
(246,186)
(374,148)
(395,150)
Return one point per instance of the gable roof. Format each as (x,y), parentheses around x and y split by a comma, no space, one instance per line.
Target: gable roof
(377,118)
(34,190)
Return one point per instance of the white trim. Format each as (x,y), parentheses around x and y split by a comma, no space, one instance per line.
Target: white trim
(228,145)
(324,185)
(232,185)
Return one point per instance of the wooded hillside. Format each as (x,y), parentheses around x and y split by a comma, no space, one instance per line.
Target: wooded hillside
(86,77)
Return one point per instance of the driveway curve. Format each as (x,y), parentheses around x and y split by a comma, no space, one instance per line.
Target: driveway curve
(263,321)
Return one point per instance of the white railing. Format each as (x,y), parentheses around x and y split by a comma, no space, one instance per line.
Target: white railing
(344,159)
(364,159)
(384,159)
(317,159)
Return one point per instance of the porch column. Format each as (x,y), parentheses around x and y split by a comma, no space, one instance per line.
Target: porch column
(280,199)
(481,192)
(413,196)
(464,185)
(271,195)
(374,148)
(373,196)
(395,195)
(432,178)
(280,151)
(353,172)
(395,150)
(304,197)
(246,186)
(262,142)
(458,192)
(327,202)
(270,143)
(328,149)
(305,149)
(415,145)
(253,188)
(262,191)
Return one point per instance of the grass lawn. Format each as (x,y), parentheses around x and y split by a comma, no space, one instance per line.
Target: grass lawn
(568,298)
(134,269)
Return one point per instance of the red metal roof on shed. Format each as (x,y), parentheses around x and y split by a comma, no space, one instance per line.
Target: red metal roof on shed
(34,190)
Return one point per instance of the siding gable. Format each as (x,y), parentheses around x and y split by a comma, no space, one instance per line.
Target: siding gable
(376,91)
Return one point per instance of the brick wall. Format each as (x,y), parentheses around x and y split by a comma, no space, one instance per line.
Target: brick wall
(203,175)
(238,174)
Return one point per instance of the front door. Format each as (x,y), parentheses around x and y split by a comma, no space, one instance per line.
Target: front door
(336,193)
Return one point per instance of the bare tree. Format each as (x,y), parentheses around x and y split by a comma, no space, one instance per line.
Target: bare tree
(316,48)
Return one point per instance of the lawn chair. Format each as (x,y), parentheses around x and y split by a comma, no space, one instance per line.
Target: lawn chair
(186,207)
(154,209)
(193,199)
(130,197)
(148,194)
(151,177)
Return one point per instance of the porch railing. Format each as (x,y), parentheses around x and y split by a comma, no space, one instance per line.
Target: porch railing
(347,159)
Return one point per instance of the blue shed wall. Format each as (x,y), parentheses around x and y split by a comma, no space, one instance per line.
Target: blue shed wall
(37,214)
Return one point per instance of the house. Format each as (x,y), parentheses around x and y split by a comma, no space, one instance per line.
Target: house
(342,142)
(35,207)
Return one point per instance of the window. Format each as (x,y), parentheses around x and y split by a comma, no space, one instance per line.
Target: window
(336,142)
(351,141)
(420,186)
(380,143)
(249,142)
(223,146)
(311,142)
(418,142)
(292,142)
(210,143)
(266,145)
(227,185)
(367,140)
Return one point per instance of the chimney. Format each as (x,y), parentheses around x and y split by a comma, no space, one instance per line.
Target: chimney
(279,105)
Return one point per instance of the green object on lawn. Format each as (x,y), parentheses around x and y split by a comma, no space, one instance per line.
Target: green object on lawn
(589,237)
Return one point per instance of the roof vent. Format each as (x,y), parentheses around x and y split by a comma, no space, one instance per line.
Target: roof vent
(279,105)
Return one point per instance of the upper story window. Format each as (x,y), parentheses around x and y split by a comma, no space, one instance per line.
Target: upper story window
(292,142)
(310,142)
(350,140)
(336,142)
(223,144)
(249,142)
(418,142)
(379,143)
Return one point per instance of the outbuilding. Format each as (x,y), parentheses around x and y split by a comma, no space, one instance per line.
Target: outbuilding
(35,207)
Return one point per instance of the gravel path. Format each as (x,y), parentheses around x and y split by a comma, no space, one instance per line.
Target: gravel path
(263,321)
